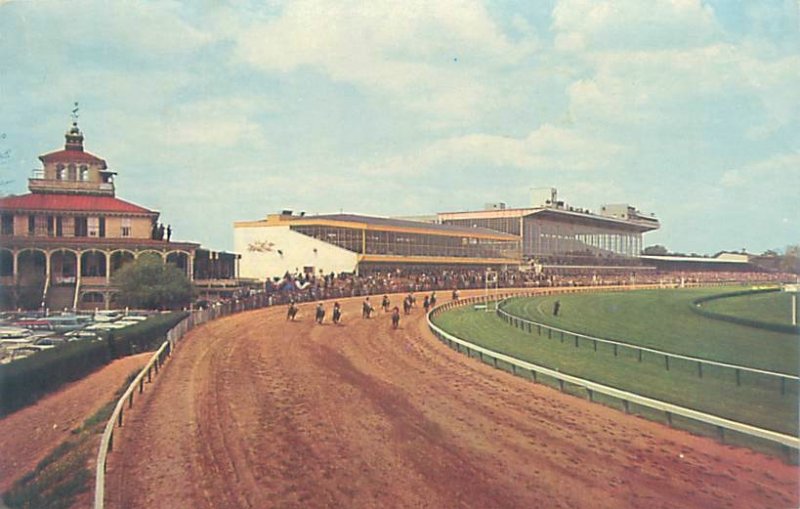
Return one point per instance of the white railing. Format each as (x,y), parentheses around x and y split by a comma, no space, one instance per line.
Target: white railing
(791,444)
(197,317)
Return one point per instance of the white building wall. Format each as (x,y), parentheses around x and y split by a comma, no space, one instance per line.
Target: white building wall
(260,246)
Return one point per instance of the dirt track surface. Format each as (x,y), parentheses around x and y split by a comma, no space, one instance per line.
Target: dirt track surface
(257,412)
(28,435)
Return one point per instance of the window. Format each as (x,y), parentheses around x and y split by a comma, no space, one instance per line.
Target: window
(126,227)
(60,172)
(93,226)
(59,226)
(72,173)
(7,224)
(84,173)
(102,229)
(51,226)
(31,225)
(81,227)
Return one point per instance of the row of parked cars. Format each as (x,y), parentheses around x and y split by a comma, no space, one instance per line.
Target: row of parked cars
(25,334)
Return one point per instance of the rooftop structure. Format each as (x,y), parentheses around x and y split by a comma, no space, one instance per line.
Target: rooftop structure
(555,230)
(63,241)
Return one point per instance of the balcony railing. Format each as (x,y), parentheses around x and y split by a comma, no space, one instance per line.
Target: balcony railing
(70,186)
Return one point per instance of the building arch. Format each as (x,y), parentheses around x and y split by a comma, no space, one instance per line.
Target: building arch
(6,262)
(93,298)
(94,263)
(180,259)
(151,251)
(63,266)
(119,258)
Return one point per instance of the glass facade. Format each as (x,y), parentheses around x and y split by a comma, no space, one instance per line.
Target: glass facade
(545,237)
(398,243)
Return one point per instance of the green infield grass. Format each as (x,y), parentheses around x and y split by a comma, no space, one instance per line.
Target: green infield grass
(754,400)
(770,307)
(664,320)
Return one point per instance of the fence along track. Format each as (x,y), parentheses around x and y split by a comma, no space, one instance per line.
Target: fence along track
(174,335)
(520,323)
(790,444)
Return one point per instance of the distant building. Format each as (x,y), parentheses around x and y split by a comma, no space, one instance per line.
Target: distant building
(557,235)
(362,244)
(61,244)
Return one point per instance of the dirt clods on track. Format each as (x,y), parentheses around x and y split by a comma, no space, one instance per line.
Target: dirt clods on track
(258,412)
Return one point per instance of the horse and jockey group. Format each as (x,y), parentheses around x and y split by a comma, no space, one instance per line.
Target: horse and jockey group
(409,302)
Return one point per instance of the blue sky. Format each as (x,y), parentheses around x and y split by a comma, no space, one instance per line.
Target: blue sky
(214,112)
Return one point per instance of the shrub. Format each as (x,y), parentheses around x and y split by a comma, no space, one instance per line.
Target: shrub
(24,381)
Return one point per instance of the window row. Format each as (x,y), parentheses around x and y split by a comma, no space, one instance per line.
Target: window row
(70,172)
(62,226)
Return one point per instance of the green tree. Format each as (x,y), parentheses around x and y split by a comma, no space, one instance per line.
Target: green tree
(149,283)
(657,249)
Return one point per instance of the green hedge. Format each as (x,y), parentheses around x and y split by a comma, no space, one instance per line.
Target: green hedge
(23,382)
(775,327)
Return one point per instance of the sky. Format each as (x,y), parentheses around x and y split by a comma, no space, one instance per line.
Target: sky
(213,112)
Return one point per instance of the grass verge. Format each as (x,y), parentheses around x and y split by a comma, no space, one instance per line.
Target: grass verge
(63,474)
(753,401)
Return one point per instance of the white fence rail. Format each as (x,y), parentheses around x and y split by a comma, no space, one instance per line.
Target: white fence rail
(156,362)
(790,444)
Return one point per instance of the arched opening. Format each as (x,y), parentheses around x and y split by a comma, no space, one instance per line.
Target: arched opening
(63,267)
(180,260)
(31,272)
(93,264)
(92,298)
(6,263)
(119,259)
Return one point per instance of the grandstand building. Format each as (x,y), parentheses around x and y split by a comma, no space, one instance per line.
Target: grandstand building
(338,243)
(62,243)
(560,238)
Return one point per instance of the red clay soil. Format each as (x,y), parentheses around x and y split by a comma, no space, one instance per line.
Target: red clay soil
(258,412)
(28,435)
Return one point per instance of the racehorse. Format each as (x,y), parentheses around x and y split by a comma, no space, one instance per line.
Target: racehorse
(395,317)
(407,305)
(291,312)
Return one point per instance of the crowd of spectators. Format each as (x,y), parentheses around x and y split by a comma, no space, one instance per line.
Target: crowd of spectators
(301,287)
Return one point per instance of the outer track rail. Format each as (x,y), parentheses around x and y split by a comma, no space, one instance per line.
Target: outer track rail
(790,444)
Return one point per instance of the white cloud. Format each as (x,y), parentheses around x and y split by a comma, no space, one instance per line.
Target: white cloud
(780,172)
(548,149)
(594,25)
(213,123)
(421,55)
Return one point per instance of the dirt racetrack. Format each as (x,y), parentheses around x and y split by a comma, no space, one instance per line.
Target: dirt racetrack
(258,412)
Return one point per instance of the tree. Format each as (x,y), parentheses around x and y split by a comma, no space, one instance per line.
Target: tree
(149,283)
(657,250)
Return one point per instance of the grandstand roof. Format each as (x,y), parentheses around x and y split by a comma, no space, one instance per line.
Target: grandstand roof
(378,223)
(575,215)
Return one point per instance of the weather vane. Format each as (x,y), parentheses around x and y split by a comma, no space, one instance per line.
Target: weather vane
(75,113)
